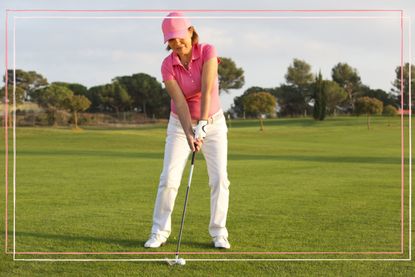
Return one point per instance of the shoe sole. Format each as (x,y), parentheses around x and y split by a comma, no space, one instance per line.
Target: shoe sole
(220,247)
(163,243)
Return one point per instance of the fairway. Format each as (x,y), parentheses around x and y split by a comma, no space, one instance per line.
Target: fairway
(299,186)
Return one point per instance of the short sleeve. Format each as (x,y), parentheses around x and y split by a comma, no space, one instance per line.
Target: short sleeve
(209,51)
(167,71)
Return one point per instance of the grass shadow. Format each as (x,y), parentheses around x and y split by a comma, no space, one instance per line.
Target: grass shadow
(231,156)
(320,159)
(86,239)
(128,243)
(91,153)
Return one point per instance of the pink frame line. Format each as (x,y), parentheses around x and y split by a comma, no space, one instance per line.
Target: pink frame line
(6,134)
(207,253)
(201,11)
(402,142)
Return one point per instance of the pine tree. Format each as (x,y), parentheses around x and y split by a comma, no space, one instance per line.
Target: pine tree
(319,111)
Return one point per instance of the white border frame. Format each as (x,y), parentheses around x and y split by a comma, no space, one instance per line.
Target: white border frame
(408,18)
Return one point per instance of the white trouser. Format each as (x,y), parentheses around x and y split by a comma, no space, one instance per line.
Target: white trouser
(176,153)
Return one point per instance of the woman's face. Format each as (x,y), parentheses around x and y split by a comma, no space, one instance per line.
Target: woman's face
(182,46)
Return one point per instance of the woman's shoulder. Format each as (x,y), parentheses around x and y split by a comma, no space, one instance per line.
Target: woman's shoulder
(207,51)
(168,60)
(205,46)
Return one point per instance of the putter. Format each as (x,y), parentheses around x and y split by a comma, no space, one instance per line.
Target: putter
(182,261)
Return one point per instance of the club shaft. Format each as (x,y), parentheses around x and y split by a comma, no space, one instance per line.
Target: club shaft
(185,204)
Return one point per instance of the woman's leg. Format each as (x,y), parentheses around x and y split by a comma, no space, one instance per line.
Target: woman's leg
(215,150)
(175,157)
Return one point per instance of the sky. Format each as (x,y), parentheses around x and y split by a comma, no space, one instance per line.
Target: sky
(92,51)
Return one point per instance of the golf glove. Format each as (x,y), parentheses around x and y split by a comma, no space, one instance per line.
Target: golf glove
(201,129)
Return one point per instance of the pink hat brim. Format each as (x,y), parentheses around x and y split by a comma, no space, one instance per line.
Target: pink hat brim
(175,34)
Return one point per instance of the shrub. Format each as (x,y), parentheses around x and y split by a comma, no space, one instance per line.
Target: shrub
(390,110)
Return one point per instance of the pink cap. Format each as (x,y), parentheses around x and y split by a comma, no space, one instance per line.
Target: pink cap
(175,25)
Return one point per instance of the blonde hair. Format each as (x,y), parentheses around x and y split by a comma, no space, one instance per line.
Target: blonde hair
(195,38)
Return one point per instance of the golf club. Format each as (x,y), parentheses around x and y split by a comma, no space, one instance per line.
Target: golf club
(182,261)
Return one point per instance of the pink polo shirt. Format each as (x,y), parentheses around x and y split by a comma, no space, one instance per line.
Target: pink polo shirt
(190,80)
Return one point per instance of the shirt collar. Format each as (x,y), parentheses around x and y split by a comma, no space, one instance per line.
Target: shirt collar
(195,55)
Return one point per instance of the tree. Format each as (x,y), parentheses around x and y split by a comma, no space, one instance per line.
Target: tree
(19,96)
(368,106)
(230,76)
(319,111)
(29,81)
(91,94)
(77,89)
(146,93)
(386,98)
(161,105)
(335,95)
(389,110)
(299,76)
(115,97)
(94,95)
(260,103)
(348,78)
(397,85)
(76,104)
(238,102)
(290,100)
(26,83)
(52,98)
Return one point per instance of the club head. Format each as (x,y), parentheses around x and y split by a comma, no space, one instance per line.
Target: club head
(171,262)
(176,261)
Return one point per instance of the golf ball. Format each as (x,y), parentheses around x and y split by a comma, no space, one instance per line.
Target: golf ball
(181,261)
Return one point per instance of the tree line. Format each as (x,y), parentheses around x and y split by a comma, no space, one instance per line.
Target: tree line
(303,93)
(138,92)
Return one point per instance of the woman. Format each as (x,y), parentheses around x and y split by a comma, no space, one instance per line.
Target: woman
(190,75)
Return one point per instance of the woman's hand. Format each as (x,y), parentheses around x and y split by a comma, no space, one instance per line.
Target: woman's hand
(183,112)
(194,144)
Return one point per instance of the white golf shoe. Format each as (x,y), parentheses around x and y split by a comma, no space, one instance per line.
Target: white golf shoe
(221,242)
(155,241)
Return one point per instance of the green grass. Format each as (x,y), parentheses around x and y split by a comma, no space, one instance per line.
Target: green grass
(298,186)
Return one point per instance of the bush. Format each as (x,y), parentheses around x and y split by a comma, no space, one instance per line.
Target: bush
(42,119)
(390,110)
(28,118)
(368,105)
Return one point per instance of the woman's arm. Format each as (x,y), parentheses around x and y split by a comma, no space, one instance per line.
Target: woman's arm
(209,73)
(183,112)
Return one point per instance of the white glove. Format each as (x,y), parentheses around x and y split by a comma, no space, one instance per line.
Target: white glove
(201,129)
